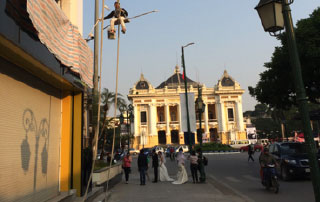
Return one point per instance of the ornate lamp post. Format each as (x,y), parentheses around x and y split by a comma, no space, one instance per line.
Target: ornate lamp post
(276,14)
(186,93)
(200,107)
(128,109)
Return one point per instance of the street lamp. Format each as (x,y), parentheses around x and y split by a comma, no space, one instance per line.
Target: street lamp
(200,107)
(271,17)
(270,12)
(186,93)
(128,109)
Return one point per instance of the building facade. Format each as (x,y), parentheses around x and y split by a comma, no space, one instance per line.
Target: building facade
(157,111)
(44,75)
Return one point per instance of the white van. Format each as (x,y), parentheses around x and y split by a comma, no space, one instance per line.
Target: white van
(185,148)
(263,141)
(158,149)
(239,143)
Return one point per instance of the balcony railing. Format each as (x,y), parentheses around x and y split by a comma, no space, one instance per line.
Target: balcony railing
(212,120)
(174,122)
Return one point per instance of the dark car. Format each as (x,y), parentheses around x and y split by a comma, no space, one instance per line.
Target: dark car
(292,160)
(147,151)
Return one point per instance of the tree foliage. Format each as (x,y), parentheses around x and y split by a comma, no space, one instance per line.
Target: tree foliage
(276,86)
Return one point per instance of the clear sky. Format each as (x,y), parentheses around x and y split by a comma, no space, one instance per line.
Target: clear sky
(228,35)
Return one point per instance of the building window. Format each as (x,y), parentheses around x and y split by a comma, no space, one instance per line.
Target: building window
(173,113)
(230,114)
(161,118)
(143,118)
(212,112)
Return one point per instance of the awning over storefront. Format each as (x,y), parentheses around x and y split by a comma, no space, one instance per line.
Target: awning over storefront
(56,32)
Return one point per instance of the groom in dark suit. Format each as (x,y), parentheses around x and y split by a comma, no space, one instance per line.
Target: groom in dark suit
(155,165)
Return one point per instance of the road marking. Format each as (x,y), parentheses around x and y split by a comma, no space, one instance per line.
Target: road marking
(246,198)
(249,177)
(232,179)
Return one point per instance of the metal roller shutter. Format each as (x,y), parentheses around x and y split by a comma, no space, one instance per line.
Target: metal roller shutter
(30,128)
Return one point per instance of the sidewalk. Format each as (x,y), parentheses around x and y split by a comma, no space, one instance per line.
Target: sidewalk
(167,192)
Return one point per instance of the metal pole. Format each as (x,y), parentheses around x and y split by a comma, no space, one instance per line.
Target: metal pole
(128,129)
(186,93)
(302,100)
(96,69)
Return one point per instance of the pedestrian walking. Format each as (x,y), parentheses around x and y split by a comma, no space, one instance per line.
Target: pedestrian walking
(194,166)
(202,161)
(155,165)
(126,165)
(147,173)
(172,153)
(250,152)
(142,166)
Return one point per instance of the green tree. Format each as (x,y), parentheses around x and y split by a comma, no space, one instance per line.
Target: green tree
(276,88)
(107,99)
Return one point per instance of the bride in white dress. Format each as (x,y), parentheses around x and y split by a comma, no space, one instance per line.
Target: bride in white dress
(182,176)
(163,169)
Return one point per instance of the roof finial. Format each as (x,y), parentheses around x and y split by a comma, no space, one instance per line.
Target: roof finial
(177,69)
(225,73)
(142,77)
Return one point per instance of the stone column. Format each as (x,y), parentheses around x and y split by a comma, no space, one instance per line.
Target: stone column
(136,124)
(240,125)
(167,119)
(206,121)
(180,121)
(221,117)
(152,120)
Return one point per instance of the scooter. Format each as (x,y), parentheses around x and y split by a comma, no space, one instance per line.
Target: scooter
(271,179)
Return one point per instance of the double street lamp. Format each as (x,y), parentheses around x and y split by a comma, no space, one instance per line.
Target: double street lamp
(129,114)
(275,15)
(186,94)
(200,107)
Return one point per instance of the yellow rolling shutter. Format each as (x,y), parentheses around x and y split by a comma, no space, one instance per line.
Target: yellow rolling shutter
(30,128)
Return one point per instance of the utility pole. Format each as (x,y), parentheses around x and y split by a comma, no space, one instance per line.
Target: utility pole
(96,69)
(186,94)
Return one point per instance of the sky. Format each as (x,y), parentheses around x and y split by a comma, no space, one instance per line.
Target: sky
(228,35)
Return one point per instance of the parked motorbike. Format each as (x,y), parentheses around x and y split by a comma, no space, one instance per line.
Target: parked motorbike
(271,179)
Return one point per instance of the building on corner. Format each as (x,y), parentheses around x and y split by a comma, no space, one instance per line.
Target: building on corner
(157,111)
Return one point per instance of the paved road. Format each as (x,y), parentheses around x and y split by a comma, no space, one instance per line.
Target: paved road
(168,192)
(234,171)
(230,177)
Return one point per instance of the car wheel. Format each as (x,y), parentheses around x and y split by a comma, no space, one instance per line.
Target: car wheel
(284,174)
(241,150)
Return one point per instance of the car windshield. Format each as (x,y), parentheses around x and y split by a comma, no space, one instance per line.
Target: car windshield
(293,148)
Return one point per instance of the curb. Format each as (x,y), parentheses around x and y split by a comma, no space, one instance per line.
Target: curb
(221,152)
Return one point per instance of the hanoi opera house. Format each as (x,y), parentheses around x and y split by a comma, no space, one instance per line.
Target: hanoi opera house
(157,111)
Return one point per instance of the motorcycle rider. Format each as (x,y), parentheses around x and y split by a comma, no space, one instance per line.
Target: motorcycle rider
(266,159)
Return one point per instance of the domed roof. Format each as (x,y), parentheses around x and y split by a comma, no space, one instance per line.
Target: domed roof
(227,80)
(142,84)
(176,80)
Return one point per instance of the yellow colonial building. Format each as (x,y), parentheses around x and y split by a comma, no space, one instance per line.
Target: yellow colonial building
(157,111)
